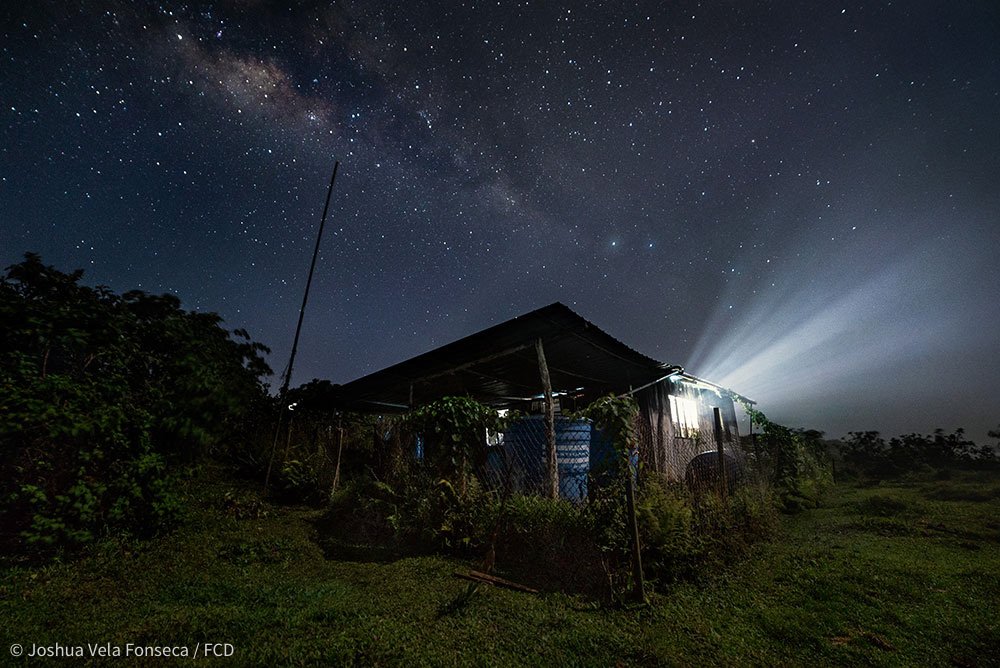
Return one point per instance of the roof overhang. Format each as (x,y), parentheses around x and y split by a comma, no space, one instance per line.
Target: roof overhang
(499,365)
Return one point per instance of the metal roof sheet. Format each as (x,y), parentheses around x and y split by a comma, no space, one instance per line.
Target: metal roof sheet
(498,365)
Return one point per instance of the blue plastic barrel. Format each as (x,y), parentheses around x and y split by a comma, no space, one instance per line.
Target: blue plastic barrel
(573,458)
(525,442)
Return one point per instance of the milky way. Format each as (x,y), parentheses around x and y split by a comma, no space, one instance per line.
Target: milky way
(800,198)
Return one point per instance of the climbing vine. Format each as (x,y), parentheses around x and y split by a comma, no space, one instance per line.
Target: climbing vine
(453,430)
(615,418)
(799,467)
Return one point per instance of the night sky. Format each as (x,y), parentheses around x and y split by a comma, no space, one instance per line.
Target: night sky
(799,200)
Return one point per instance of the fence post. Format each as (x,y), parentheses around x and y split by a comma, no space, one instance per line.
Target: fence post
(288,441)
(340,449)
(717,423)
(638,585)
(552,463)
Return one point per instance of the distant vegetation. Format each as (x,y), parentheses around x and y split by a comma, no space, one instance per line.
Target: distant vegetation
(104,400)
(867,453)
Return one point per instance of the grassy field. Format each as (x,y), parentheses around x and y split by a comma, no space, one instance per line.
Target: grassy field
(904,573)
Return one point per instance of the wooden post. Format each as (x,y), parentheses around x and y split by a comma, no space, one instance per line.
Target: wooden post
(340,449)
(551,461)
(638,586)
(288,441)
(717,414)
(659,443)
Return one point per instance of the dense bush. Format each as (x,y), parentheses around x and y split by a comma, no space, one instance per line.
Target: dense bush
(418,512)
(103,399)
(434,502)
(685,533)
(546,543)
(795,462)
(318,446)
(671,546)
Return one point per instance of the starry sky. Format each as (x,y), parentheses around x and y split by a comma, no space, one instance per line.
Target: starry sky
(797,199)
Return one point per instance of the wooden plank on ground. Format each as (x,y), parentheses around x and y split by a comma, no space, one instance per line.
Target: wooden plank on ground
(477,576)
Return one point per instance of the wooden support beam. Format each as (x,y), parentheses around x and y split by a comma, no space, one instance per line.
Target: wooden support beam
(340,451)
(717,424)
(638,585)
(470,364)
(551,461)
(659,445)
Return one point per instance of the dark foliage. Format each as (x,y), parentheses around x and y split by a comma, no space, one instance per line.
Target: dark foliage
(453,430)
(867,453)
(796,462)
(103,399)
(319,445)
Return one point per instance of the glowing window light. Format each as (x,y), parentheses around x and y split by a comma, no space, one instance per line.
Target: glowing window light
(684,413)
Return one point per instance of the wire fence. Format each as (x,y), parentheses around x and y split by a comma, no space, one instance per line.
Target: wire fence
(587,460)
(690,456)
(383,467)
(517,459)
(325,453)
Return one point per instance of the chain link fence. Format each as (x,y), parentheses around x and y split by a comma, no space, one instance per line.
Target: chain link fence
(517,460)
(327,452)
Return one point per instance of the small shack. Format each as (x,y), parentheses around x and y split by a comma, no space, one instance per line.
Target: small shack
(553,361)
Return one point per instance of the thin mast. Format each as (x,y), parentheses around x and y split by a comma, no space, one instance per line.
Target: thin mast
(305,296)
(286,381)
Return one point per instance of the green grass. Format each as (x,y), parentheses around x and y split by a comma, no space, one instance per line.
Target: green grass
(903,573)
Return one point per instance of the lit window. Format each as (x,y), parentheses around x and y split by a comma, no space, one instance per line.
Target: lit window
(685,416)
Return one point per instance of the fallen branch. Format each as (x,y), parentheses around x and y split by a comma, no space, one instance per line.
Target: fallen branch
(477,576)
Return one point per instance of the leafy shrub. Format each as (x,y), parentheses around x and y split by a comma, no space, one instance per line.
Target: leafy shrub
(794,461)
(667,528)
(103,399)
(684,533)
(526,515)
(298,481)
(447,519)
(81,461)
(360,520)
(453,430)
(551,544)
(418,512)
(754,509)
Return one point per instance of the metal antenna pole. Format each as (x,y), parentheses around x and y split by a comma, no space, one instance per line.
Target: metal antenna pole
(286,381)
(305,295)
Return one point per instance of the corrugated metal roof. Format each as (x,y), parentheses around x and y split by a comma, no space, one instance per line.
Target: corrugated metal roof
(498,365)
